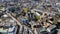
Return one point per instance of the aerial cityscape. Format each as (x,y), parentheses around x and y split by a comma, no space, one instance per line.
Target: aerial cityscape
(29,16)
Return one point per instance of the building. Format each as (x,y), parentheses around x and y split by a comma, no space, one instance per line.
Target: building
(8,30)
(51,29)
(25,30)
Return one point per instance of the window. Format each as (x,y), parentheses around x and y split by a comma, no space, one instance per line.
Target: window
(59,0)
(51,19)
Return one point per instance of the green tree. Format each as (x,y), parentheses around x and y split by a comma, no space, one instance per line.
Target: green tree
(12,9)
(37,17)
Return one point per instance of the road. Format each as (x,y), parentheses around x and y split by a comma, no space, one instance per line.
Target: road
(18,21)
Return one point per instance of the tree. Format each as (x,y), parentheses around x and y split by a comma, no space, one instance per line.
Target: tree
(12,9)
(37,17)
